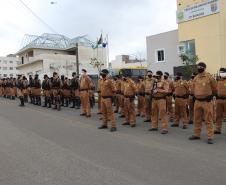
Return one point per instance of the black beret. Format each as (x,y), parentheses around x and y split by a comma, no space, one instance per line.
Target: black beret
(105,71)
(223,70)
(202,64)
(166,73)
(84,70)
(159,73)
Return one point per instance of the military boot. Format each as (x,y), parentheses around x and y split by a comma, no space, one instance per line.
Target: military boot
(73,104)
(45,102)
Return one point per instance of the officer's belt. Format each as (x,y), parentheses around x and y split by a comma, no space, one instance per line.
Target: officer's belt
(141,94)
(147,93)
(207,99)
(221,98)
(159,98)
(182,97)
(130,97)
(83,89)
(107,97)
(170,94)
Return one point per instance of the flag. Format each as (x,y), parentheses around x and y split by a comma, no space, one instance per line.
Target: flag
(100,41)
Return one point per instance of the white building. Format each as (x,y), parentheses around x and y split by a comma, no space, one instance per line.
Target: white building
(126,61)
(50,53)
(162,52)
(8,67)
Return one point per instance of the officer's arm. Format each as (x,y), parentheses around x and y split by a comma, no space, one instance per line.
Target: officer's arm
(213,85)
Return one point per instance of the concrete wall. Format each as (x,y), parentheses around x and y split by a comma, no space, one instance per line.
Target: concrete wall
(209,33)
(167,41)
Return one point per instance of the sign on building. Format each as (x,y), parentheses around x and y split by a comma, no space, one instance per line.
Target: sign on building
(206,8)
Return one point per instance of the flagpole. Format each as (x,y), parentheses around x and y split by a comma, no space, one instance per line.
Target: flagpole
(107,52)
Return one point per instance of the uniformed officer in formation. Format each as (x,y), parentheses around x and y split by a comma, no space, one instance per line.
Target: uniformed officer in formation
(160,90)
(205,87)
(46,91)
(85,88)
(181,90)
(107,91)
(140,97)
(130,91)
(221,101)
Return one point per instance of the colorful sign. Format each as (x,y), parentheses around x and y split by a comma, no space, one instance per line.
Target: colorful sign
(206,8)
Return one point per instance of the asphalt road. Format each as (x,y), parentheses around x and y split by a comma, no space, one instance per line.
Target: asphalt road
(39,146)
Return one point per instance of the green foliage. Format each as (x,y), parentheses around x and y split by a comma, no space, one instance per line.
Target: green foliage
(189,62)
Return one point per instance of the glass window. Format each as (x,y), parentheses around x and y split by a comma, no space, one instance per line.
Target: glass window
(11,68)
(5,75)
(160,55)
(188,48)
(4,68)
(11,75)
(10,62)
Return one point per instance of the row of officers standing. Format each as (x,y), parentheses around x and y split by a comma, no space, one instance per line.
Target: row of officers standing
(200,100)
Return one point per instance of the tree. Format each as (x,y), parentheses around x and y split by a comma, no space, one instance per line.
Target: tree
(96,64)
(189,62)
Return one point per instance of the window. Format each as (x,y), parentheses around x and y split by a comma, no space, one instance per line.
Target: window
(5,62)
(10,62)
(5,75)
(187,47)
(4,68)
(160,55)
(11,75)
(11,68)
(0,68)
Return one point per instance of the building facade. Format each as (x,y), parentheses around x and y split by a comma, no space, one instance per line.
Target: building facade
(55,53)
(162,52)
(202,31)
(8,67)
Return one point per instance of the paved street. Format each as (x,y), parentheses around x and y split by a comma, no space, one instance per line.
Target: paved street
(44,147)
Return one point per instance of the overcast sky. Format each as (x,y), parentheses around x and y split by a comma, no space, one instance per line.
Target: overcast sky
(127,22)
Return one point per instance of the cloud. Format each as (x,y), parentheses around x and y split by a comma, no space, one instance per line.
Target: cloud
(127,22)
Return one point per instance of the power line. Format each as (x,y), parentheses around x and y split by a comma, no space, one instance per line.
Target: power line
(39,18)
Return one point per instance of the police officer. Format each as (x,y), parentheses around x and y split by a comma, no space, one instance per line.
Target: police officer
(100,82)
(37,90)
(74,85)
(30,89)
(66,93)
(55,88)
(46,91)
(169,97)
(141,97)
(221,100)
(160,90)
(107,92)
(20,88)
(181,100)
(118,93)
(205,87)
(130,91)
(148,99)
(85,87)
(191,99)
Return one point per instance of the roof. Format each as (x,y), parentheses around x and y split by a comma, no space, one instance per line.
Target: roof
(53,41)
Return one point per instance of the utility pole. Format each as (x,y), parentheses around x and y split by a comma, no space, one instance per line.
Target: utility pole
(77,59)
